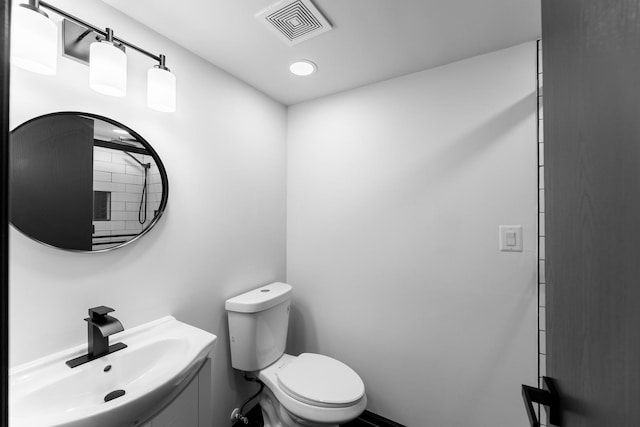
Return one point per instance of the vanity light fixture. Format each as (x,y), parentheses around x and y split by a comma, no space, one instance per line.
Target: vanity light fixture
(303,67)
(35,43)
(107,67)
(161,87)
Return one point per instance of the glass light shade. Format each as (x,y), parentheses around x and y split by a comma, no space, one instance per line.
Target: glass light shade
(34,41)
(161,90)
(107,69)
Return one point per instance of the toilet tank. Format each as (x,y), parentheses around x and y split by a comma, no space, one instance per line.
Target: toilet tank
(258,325)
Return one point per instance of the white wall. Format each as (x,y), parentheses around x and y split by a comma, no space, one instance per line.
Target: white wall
(224,228)
(395,194)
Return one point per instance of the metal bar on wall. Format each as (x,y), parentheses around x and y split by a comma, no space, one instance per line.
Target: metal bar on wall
(98,30)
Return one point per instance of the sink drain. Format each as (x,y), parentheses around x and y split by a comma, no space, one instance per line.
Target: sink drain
(114,395)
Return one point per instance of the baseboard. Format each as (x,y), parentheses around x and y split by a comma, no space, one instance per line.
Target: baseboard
(366,419)
(369,419)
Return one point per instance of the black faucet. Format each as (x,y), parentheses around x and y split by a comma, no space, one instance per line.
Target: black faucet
(99,327)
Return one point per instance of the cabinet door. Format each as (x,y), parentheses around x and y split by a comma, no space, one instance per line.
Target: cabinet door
(182,412)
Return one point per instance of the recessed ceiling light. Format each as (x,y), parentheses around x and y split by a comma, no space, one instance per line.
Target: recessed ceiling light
(303,67)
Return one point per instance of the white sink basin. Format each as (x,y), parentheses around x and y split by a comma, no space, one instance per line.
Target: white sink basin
(161,358)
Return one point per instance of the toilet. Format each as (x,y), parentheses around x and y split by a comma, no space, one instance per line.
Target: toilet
(310,390)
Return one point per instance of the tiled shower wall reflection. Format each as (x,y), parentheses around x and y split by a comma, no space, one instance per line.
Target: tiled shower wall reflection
(542,352)
(123,177)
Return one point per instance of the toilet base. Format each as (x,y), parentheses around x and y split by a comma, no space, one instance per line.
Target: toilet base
(276,415)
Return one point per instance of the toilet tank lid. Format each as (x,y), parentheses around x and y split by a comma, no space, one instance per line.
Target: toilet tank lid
(259,299)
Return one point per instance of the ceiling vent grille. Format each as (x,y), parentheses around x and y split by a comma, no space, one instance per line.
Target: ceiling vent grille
(294,20)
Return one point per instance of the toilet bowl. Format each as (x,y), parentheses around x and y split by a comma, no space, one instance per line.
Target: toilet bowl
(309,390)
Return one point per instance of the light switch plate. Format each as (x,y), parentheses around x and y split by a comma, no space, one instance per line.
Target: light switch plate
(510,238)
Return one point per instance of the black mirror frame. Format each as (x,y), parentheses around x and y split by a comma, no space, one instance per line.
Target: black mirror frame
(163,176)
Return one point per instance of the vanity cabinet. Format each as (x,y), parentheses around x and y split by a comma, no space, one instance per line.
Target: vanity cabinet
(192,408)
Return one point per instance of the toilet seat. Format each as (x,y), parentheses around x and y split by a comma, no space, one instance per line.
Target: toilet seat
(320,380)
(304,408)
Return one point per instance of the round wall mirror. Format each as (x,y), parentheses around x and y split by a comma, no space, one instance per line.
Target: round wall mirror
(82,182)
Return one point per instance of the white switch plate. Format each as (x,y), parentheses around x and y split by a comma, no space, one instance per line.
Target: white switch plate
(510,238)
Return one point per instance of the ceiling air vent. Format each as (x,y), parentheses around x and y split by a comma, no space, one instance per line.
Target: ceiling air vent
(294,20)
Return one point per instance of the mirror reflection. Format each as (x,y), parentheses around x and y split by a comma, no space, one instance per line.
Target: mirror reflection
(83,182)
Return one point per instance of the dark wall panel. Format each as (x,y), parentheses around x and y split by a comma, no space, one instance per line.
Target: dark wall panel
(5,14)
(47,155)
(591,60)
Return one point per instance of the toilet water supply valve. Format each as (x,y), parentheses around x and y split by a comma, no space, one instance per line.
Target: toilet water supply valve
(236,415)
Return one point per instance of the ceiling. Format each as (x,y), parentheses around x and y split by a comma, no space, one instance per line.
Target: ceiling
(371,40)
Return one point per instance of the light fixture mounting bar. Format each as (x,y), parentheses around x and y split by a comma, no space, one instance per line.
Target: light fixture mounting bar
(96,29)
